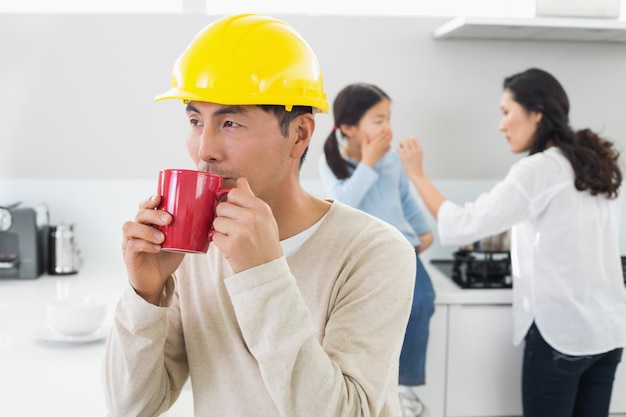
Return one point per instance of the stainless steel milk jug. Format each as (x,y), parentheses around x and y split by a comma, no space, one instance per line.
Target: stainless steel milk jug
(64,254)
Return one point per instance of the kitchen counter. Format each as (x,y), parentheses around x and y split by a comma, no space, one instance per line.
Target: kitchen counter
(449,293)
(43,378)
(64,379)
(52,378)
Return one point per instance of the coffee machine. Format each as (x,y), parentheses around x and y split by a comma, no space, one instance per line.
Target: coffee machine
(23,241)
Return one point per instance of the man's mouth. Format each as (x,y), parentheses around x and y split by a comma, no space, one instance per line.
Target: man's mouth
(229,183)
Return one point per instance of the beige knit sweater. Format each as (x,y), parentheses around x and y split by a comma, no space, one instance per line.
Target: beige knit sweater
(315,335)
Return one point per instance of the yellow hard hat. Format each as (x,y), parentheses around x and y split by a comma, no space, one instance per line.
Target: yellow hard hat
(248,59)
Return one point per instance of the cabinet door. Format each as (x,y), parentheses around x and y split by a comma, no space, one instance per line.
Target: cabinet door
(484,368)
(432,393)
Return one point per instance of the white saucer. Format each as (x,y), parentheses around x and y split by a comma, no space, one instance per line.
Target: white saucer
(46,333)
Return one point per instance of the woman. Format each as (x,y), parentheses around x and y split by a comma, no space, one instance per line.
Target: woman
(366,173)
(561,201)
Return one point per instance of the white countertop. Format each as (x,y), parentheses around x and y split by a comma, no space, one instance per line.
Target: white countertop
(57,379)
(40,378)
(64,379)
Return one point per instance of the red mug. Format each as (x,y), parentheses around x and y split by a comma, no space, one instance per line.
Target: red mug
(190,197)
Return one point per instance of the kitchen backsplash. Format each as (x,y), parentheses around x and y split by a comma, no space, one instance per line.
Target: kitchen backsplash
(98,208)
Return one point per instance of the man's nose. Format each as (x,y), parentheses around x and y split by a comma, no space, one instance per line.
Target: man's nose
(210,146)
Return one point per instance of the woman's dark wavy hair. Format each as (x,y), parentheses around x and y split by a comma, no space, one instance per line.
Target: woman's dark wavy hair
(594,159)
(352,102)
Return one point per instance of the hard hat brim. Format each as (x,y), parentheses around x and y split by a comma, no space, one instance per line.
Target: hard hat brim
(177,94)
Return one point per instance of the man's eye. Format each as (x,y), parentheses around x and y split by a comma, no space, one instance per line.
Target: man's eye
(229,123)
(194,122)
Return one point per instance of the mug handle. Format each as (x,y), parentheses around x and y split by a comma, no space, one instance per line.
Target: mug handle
(221,193)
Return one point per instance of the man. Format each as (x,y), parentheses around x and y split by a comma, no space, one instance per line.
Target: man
(292,312)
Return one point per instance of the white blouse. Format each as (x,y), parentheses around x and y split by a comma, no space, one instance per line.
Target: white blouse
(567,272)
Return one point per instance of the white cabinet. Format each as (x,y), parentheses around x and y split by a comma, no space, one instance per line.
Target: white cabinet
(483,366)
(473,369)
(433,394)
(533,29)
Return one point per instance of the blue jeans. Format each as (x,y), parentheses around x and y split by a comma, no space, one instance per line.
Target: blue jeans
(559,385)
(413,354)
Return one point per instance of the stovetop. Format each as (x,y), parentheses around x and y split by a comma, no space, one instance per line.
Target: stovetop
(472,269)
(482,270)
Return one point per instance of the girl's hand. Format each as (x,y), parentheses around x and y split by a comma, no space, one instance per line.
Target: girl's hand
(373,149)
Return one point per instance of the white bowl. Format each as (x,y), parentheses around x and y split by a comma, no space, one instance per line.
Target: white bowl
(76,316)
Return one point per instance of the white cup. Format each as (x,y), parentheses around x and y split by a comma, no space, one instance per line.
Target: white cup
(76,316)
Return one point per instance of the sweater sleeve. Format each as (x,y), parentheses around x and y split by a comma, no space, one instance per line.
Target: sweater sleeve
(348,369)
(143,370)
(491,213)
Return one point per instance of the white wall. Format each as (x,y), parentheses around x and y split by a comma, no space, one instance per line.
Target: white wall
(76,90)
(79,129)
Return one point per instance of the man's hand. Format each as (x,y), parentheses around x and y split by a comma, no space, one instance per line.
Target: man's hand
(245,229)
(148,268)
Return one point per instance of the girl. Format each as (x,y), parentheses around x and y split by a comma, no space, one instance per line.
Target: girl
(359,168)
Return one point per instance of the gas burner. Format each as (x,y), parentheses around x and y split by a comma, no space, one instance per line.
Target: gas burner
(475,269)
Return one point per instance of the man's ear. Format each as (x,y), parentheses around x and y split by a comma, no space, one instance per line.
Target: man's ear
(305,125)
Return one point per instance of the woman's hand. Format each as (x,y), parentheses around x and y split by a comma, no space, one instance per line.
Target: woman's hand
(411,154)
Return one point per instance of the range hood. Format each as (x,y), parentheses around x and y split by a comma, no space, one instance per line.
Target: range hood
(536,28)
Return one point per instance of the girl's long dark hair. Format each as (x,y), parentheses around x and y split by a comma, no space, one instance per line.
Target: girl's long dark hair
(594,160)
(352,102)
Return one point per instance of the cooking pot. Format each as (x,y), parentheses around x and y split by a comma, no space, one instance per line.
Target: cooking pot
(496,243)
